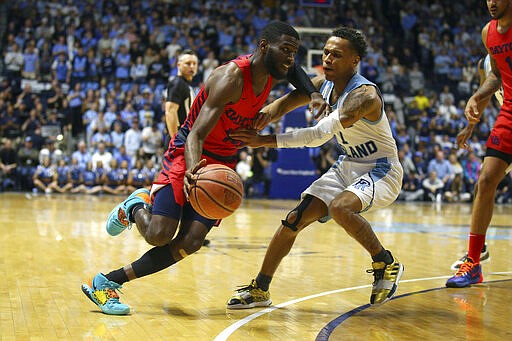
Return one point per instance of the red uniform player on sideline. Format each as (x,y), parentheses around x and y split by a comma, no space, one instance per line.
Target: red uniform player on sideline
(497,38)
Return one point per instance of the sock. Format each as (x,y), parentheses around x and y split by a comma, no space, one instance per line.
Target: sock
(383,256)
(156,259)
(118,276)
(134,210)
(476,243)
(263,281)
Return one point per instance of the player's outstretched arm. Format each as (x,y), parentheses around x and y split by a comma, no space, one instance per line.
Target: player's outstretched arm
(251,138)
(314,136)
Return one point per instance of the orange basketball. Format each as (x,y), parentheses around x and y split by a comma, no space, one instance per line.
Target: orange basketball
(216,191)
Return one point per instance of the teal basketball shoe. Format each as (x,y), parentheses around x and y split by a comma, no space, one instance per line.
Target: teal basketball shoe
(119,218)
(102,292)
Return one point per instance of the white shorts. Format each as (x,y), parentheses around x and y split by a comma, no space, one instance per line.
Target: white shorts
(377,184)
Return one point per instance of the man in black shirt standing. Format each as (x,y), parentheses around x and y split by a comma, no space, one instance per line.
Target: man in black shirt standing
(180,94)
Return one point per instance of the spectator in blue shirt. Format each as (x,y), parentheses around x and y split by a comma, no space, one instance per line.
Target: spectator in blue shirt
(60,46)
(123,63)
(79,67)
(61,68)
(81,155)
(441,166)
(31,62)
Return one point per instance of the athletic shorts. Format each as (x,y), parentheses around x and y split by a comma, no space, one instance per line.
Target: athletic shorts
(172,202)
(501,135)
(500,155)
(377,184)
(164,203)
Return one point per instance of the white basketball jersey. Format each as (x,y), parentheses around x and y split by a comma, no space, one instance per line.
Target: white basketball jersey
(365,141)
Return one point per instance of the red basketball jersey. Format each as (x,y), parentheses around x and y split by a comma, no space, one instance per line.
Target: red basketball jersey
(500,46)
(236,115)
(218,147)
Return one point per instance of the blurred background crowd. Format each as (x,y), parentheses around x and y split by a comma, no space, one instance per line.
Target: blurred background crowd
(82,83)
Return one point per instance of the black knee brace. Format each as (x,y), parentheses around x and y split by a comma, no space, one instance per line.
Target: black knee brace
(299,209)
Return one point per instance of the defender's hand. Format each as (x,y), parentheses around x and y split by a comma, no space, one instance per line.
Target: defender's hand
(248,137)
(318,105)
(261,120)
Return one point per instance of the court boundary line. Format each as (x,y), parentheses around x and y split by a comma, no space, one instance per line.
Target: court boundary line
(223,336)
(328,329)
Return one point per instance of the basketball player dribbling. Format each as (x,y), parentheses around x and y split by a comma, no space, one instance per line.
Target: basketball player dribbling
(367,176)
(231,98)
(496,36)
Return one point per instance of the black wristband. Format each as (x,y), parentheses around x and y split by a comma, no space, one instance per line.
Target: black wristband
(300,80)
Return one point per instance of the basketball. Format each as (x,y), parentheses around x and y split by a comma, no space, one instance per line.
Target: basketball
(216,191)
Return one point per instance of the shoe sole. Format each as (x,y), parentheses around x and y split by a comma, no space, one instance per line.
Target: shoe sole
(393,290)
(116,230)
(250,305)
(87,291)
(455,285)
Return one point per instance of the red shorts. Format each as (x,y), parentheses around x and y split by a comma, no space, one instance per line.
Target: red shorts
(501,135)
(175,174)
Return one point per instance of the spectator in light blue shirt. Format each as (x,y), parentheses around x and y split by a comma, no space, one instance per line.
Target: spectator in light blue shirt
(81,155)
(31,64)
(60,46)
(441,166)
(117,136)
(123,63)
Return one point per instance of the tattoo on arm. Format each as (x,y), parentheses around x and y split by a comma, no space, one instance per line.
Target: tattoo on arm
(359,103)
(488,87)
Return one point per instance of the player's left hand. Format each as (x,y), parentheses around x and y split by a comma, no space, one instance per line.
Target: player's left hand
(261,120)
(318,105)
(464,135)
(190,177)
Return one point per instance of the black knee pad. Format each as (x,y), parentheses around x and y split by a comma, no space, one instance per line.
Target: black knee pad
(298,210)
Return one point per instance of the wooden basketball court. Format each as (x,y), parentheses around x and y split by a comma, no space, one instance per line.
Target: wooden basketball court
(50,244)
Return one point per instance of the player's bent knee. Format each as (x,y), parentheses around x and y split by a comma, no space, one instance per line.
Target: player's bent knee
(157,239)
(291,221)
(487,182)
(294,219)
(340,213)
(158,235)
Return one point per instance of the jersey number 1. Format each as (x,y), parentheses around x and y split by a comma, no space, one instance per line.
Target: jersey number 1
(342,139)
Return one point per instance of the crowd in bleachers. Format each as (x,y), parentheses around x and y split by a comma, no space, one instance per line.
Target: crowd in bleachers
(81,92)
